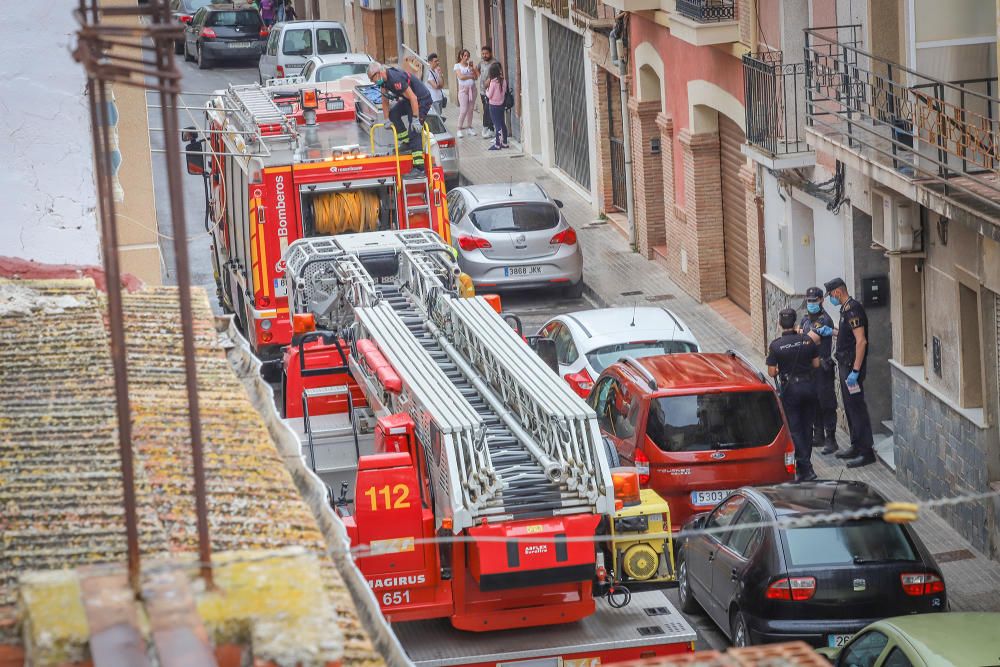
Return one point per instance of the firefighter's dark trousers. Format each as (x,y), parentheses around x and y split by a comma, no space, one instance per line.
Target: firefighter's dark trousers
(401,116)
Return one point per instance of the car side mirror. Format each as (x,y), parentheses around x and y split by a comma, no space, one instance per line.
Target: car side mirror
(558,202)
(194,155)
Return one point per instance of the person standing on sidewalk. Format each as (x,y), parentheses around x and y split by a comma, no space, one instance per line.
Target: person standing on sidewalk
(267,12)
(483,71)
(465,72)
(792,358)
(852,364)
(818,325)
(435,82)
(495,94)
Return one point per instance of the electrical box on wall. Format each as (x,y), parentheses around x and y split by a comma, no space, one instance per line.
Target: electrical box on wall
(378,4)
(875,291)
(896,222)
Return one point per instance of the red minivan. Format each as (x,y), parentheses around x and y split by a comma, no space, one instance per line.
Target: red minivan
(696,425)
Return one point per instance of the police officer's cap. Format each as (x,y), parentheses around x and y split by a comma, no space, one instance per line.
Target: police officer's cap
(814,294)
(831,285)
(786,318)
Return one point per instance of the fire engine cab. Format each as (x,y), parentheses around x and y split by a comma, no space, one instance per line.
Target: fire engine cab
(474,483)
(288,161)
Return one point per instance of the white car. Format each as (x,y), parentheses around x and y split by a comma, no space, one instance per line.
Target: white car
(323,69)
(291,44)
(590,340)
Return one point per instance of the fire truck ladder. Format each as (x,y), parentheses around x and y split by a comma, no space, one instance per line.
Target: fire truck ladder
(254,108)
(504,438)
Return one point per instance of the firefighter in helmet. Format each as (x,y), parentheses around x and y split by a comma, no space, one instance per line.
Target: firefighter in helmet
(410,99)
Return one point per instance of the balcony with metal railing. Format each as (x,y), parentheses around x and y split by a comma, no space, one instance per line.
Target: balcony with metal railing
(592,13)
(558,7)
(707,11)
(919,133)
(774,94)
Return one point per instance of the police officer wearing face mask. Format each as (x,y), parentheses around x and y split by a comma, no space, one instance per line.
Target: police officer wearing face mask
(818,325)
(851,353)
(792,358)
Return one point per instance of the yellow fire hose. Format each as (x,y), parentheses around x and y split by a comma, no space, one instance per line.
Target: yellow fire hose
(341,212)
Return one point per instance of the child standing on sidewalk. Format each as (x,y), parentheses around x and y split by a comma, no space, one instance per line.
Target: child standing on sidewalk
(495,93)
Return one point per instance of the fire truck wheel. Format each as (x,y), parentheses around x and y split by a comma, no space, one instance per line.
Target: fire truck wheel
(203,61)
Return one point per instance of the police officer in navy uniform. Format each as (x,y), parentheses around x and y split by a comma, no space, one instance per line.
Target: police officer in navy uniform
(412,99)
(793,358)
(818,325)
(851,353)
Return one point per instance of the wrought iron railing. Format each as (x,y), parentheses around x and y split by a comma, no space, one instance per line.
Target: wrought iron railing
(708,11)
(558,7)
(775,103)
(594,10)
(941,133)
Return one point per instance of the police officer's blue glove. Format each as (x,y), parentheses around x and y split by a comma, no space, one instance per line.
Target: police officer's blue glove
(852,378)
(825,331)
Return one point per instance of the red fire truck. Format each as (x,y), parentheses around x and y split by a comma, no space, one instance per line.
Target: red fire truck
(289,161)
(474,482)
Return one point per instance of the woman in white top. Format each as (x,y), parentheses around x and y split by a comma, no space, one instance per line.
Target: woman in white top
(435,82)
(465,72)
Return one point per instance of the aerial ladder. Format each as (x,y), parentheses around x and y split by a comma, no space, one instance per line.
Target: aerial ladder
(500,453)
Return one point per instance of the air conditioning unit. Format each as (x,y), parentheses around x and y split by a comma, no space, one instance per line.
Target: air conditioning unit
(896,222)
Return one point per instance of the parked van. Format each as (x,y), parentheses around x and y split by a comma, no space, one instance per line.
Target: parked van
(696,425)
(291,44)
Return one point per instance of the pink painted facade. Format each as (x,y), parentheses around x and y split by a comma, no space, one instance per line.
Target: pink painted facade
(682,63)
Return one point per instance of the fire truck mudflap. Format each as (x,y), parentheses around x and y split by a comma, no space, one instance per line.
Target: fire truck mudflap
(647,627)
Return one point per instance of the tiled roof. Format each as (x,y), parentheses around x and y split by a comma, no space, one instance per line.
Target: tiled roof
(59,479)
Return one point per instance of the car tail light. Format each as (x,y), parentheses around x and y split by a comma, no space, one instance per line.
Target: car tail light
(565,237)
(208,32)
(185,18)
(790,461)
(264,32)
(642,465)
(923,583)
(581,382)
(792,588)
(280,71)
(446,143)
(473,243)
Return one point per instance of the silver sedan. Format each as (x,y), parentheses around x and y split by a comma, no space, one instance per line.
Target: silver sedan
(514,236)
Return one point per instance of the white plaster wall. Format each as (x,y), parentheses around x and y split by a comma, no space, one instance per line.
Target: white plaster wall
(46,182)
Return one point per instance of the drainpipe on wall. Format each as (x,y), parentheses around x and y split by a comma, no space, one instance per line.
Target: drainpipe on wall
(626,130)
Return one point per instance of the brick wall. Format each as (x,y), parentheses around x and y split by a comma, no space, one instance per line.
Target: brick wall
(604,125)
(705,278)
(755,232)
(647,172)
(941,453)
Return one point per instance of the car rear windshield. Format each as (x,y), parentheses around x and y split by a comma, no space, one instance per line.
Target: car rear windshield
(516,218)
(435,124)
(297,42)
(241,18)
(602,357)
(847,544)
(725,420)
(337,72)
(330,40)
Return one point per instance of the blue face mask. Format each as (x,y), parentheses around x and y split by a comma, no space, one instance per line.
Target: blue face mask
(812,307)
(834,300)
(380,82)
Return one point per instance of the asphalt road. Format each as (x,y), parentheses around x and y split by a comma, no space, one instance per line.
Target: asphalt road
(534,307)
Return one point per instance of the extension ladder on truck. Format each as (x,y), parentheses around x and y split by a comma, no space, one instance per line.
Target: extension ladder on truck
(515,441)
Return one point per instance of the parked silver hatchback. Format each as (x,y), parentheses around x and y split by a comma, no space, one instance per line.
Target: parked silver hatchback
(514,236)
